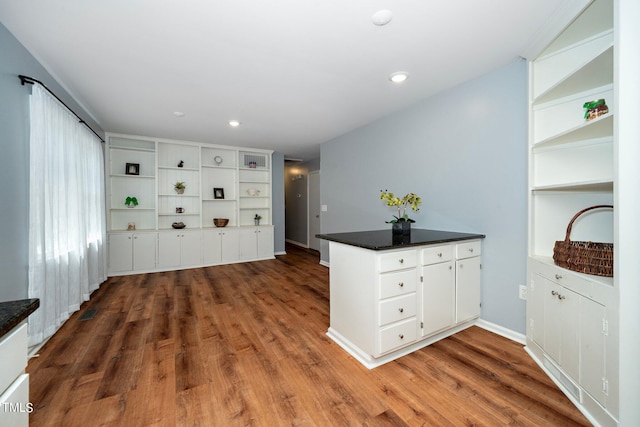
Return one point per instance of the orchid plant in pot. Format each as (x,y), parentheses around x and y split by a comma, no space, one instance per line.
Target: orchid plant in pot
(401,223)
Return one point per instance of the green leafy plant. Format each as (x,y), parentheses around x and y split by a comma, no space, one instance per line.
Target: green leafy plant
(179,185)
(257,217)
(410,200)
(131,201)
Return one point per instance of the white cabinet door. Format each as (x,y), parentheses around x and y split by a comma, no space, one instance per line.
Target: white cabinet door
(144,251)
(179,248)
(120,252)
(191,248)
(169,248)
(230,251)
(220,246)
(561,328)
(248,243)
(467,289)
(594,326)
(438,297)
(265,242)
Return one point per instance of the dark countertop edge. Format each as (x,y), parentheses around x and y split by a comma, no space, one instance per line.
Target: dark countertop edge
(346,239)
(14,312)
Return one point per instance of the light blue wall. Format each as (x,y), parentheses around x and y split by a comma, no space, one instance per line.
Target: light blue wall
(14,149)
(464,151)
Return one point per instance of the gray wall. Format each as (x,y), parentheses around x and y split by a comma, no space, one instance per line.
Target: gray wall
(464,152)
(277,206)
(14,173)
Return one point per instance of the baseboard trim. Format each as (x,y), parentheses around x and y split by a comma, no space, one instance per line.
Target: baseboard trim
(502,331)
(325,263)
(293,242)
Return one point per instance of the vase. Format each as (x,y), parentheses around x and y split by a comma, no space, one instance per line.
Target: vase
(180,190)
(401,228)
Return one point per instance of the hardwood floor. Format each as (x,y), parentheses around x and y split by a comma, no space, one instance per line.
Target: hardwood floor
(245,344)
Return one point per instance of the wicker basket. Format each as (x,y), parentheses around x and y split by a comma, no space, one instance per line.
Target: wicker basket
(220,222)
(584,257)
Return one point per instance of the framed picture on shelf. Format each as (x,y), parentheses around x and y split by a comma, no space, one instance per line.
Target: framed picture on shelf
(218,193)
(132,169)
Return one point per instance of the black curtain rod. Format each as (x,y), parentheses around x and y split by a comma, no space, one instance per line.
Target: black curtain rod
(30,80)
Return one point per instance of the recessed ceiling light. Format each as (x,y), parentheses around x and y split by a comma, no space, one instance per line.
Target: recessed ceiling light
(399,76)
(178,113)
(382,17)
(234,123)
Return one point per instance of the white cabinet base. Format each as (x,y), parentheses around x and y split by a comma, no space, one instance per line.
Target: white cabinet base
(371,362)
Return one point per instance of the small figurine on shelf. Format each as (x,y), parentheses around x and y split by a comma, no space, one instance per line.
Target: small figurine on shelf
(181,164)
(131,226)
(256,219)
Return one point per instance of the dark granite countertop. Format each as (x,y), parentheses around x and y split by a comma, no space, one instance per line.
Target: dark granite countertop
(379,240)
(14,312)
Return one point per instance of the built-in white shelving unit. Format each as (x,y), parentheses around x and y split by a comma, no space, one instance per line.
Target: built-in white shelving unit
(572,318)
(219,182)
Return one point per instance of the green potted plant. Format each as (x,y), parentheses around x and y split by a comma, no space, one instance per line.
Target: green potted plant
(257,219)
(131,202)
(401,223)
(179,187)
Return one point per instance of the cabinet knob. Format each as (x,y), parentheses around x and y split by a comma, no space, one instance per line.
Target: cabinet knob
(439,254)
(558,276)
(461,265)
(470,249)
(401,260)
(401,284)
(554,293)
(561,297)
(401,336)
(129,237)
(401,310)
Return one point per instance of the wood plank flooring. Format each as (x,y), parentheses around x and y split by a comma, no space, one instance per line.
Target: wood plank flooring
(245,344)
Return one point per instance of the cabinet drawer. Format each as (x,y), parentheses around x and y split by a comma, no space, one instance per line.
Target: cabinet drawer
(398,283)
(436,254)
(468,249)
(13,353)
(399,260)
(396,309)
(397,335)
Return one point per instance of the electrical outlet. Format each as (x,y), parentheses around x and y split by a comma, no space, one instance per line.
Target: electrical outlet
(522,292)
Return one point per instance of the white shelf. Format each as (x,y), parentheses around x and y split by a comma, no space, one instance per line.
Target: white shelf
(604,186)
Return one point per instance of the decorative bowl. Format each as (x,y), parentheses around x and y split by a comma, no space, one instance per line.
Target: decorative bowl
(178,225)
(253,192)
(220,222)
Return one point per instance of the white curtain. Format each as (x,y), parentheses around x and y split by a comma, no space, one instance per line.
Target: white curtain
(67,231)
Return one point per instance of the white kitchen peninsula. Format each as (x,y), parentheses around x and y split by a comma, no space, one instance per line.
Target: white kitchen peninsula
(390,296)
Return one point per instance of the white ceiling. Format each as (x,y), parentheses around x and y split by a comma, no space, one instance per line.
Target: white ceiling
(295,73)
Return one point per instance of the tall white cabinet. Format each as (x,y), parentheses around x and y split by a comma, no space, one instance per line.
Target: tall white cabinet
(219,182)
(572,317)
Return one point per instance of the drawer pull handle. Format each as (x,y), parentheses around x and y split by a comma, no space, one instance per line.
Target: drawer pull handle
(561,297)
(439,254)
(470,249)
(554,293)
(401,284)
(401,310)
(401,336)
(401,260)
(558,276)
